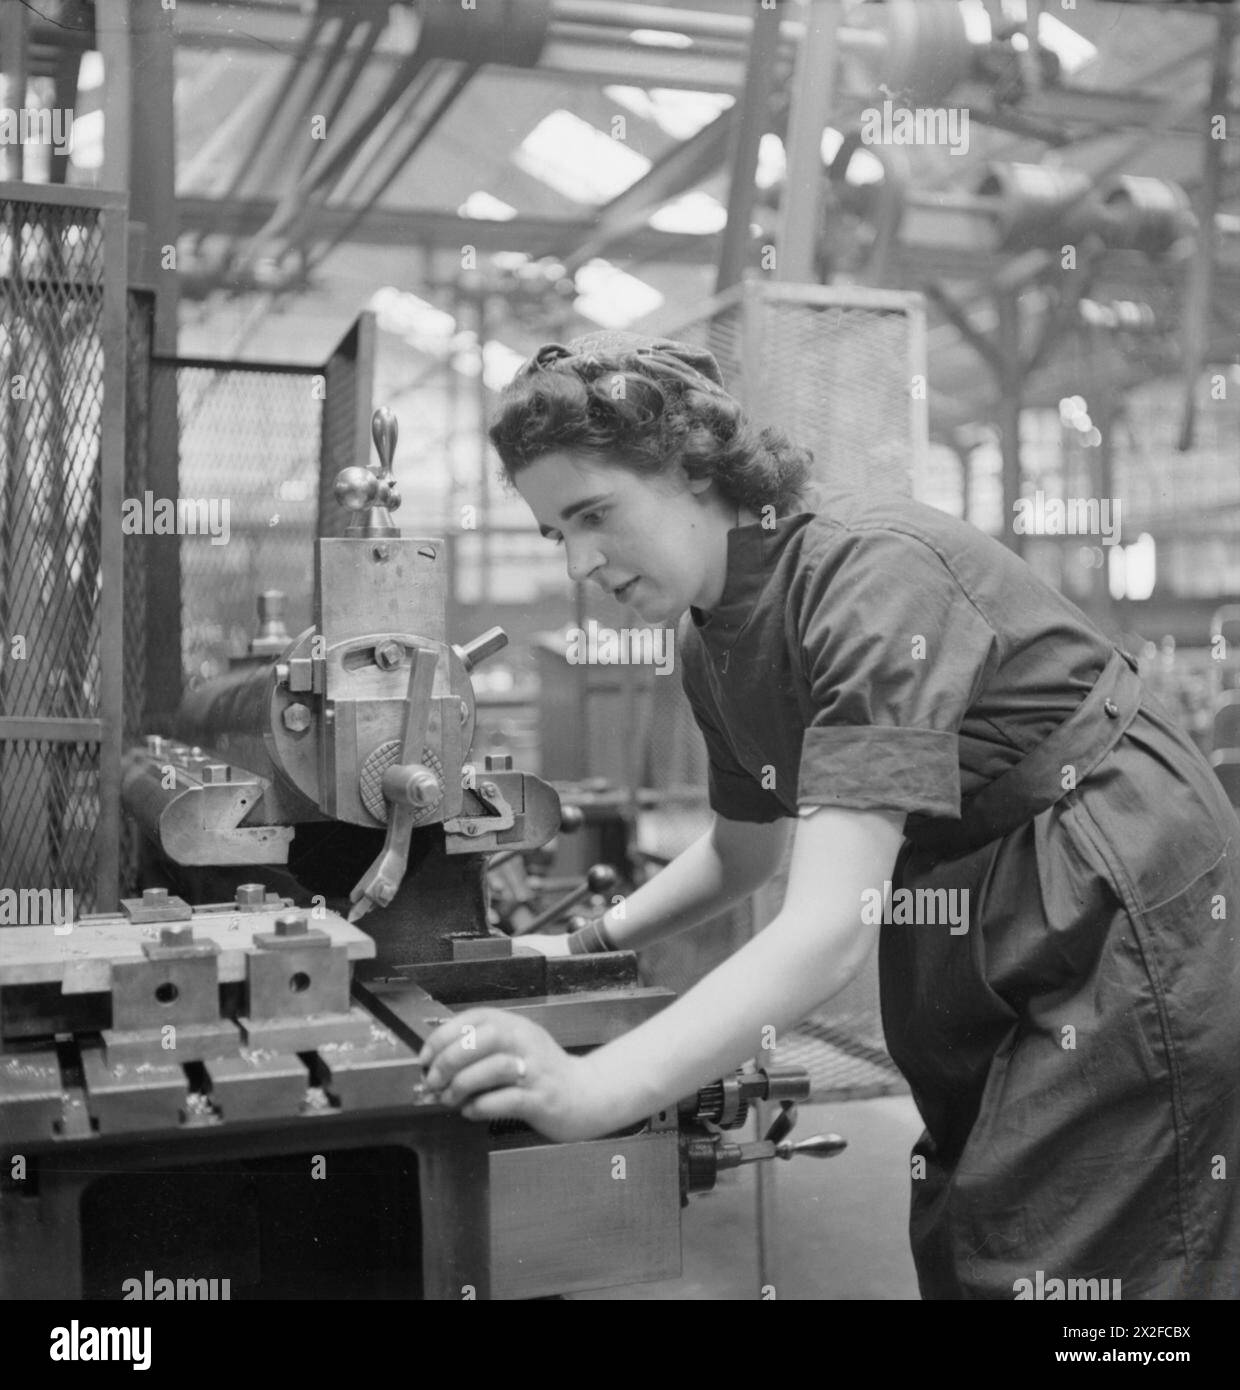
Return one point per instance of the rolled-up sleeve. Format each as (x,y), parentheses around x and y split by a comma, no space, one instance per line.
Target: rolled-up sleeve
(894,652)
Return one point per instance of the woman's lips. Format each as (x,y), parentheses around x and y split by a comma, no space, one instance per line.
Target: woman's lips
(625,592)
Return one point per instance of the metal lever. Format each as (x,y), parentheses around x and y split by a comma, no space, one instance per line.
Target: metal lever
(383,430)
(409,787)
(486,644)
(372,493)
(601,878)
(818,1146)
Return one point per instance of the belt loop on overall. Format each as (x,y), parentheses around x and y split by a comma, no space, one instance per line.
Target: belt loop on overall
(1037,782)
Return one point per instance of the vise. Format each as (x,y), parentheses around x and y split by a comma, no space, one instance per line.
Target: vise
(221,1081)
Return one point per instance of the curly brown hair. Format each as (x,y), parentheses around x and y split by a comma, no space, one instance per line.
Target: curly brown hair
(647,413)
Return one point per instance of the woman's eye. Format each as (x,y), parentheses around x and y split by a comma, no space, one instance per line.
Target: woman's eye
(592,518)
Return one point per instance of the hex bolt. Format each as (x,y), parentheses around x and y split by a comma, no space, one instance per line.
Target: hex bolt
(499,762)
(215,773)
(389,655)
(154,897)
(251,894)
(180,935)
(379,553)
(291,924)
(411,785)
(297,718)
(489,790)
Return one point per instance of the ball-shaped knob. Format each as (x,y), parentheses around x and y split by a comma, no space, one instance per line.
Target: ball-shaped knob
(602,878)
(356,488)
(572,818)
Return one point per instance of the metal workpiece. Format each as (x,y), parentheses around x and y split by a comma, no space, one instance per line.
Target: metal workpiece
(198,816)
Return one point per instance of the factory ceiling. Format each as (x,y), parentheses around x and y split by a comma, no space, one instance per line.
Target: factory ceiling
(342,155)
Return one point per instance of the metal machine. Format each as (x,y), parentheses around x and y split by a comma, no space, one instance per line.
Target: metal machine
(221,1081)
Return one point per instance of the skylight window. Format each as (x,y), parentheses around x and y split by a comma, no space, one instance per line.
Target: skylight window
(681,114)
(1072,49)
(406,316)
(612,297)
(499,364)
(695,212)
(863,166)
(660,38)
(578,160)
(485,205)
(772,161)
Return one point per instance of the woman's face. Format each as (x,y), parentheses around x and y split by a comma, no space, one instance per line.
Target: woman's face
(656,542)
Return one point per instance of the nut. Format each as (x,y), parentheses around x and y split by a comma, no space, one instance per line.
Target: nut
(499,762)
(297,718)
(154,897)
(291,924)
(389,655)
(215,772)
(251,894)
(180,935)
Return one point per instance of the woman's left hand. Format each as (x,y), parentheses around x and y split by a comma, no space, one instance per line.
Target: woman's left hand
(497,1065)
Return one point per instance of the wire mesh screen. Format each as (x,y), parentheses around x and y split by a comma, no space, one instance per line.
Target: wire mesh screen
(348,375)
(139,330)
(840,370)
(249,439)
(59,704)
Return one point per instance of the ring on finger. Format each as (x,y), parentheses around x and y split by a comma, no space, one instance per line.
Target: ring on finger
(520,1061)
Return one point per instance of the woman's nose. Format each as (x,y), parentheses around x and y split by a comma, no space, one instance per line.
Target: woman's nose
(583,558)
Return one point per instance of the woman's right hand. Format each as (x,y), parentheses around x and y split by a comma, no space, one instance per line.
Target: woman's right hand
(544,945)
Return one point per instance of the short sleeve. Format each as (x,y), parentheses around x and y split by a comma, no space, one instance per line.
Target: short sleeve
(733,793)
(894,652)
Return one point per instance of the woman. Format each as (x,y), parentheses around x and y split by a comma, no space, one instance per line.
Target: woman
(899,694)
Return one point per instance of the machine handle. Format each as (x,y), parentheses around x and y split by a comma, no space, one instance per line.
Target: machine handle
(407,789)
(384,431)
(601,878)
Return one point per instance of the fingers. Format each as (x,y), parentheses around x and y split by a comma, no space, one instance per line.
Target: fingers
(501,1069)
(458,1044)
(508,1104)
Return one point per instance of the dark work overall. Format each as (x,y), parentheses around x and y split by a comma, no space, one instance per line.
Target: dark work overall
(1079,1083)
